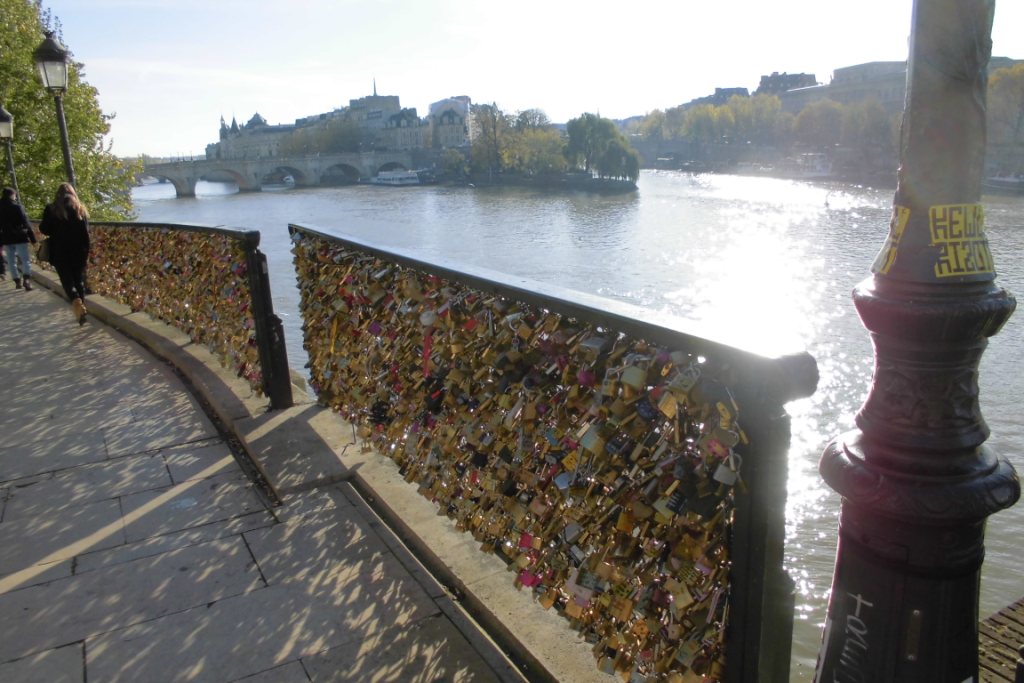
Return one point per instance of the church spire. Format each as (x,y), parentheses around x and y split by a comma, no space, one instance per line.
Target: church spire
(375,86)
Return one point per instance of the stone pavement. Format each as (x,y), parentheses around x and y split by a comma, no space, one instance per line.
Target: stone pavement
(133,546)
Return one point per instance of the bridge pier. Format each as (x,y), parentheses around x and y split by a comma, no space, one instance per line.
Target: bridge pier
(184,187)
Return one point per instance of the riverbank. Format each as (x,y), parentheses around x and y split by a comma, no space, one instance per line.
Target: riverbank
(577,182)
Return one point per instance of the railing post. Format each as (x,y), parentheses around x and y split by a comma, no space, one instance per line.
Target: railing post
(269,330)
(916,479)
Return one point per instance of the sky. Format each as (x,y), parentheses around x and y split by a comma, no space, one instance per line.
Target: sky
(170,69)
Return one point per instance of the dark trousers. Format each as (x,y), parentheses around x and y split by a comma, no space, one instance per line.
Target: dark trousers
(72,279)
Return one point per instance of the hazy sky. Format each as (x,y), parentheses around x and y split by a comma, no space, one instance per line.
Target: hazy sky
(169,69)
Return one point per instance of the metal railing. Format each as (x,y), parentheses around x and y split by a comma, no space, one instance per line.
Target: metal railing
(633,473)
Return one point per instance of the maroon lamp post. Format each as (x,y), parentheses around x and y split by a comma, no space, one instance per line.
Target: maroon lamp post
(917,481)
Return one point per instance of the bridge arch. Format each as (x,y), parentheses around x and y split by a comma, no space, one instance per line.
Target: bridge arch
(340,174)
(281,174)
(391,166)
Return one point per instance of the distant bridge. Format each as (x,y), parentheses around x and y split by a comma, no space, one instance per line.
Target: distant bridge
(307,171)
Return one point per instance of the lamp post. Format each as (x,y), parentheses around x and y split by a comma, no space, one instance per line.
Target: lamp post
(7,135)
(917,481)
(51,59)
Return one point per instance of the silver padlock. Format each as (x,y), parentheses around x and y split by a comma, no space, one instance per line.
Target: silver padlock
(728,471)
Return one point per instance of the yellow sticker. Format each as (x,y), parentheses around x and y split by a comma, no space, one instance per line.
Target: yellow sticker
(887,257)
(958,231)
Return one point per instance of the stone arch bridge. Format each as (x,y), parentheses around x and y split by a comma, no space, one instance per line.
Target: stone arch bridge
(307,171)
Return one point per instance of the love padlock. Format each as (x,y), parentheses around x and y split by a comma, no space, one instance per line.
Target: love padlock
(728,471)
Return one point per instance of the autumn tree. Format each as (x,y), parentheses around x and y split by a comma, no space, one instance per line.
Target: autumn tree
(104,182)
(819,124)
(491,128)
(871,132)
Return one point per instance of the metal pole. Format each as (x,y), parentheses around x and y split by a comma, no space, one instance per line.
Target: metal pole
(10,168)
(917,481)
(69,169)
(269,329)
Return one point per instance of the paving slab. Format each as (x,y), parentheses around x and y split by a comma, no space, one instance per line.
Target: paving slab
(42,617)
(51,449)
(243,635)
(150,435)
(86,484)
(156,545)
(224,494)
(31,541)
(292,672)
(426,651)
(194,460)
(60,665)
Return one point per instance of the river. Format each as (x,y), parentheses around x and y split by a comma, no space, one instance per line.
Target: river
(763,260)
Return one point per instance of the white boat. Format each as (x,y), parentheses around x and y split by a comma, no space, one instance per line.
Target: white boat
(397,178)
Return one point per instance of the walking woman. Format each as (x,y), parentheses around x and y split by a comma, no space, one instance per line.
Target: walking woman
(15,234)
(66,222)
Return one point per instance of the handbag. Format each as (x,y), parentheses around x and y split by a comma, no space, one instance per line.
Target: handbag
(43,252)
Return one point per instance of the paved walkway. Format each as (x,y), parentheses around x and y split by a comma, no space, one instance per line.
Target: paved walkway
(134,548)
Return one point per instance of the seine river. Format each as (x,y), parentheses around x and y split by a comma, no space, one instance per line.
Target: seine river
(763,260)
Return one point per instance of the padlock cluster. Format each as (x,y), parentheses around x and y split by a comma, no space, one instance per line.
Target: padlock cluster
(195,281)
(601,468)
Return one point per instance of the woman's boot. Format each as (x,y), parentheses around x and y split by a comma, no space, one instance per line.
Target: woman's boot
(27,283)
(79,308)
(17,283)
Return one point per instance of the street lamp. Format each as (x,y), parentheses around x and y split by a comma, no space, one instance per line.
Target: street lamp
(917,480)
(7,135)
(51,59)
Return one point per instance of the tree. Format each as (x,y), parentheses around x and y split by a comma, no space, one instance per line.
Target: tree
(820,124)
(597,145)
(104,182)
(536,151)
(869,130)
(490,127)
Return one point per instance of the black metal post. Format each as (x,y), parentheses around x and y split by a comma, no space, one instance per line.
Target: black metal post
(916,479)
(10,168)
(69,169)
(269,329)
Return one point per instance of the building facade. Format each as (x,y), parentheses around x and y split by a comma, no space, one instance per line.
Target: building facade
(382,121)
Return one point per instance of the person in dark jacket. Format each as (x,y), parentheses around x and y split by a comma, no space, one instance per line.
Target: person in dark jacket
(15,234)
(66,222)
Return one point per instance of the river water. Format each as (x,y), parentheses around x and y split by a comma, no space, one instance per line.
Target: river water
(766,262)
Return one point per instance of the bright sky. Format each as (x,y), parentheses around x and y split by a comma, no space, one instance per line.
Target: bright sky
(169,69)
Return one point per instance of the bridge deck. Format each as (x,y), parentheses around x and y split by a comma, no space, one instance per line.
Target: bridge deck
(1002,635)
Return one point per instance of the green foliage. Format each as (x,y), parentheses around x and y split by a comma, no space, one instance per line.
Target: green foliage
(104,182)
(820,124)
(595,144)
(453,163)
(533,151)
(491,128)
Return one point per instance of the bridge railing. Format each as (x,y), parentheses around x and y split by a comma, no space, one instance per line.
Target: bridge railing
(210,283)
(632,474)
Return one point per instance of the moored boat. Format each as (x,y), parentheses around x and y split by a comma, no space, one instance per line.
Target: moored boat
(397,178)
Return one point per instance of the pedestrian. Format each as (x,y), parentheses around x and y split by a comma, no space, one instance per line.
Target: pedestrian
(66,223)
(15,234)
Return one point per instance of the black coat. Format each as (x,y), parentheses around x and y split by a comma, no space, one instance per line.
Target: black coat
(14,225)
(69,238)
